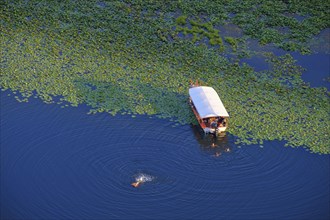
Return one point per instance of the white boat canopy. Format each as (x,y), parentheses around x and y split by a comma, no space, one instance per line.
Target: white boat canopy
(207,102)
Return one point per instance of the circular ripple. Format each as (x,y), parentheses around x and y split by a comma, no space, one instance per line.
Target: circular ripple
(62,163)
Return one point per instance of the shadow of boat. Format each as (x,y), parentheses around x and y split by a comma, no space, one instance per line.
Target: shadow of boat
(212,144)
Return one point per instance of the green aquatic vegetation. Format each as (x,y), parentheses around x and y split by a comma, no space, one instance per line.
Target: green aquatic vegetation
(125,58)
(233,42)
(280,103)
(263,20)
(181,20)
(199,31)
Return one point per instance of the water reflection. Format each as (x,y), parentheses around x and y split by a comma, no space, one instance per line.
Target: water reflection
(211,144)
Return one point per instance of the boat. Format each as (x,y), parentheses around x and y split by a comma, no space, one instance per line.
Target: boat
(208,108)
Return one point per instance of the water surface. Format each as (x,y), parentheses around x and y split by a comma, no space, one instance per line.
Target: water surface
(64,164)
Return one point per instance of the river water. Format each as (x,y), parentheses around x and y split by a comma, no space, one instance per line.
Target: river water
(65,164)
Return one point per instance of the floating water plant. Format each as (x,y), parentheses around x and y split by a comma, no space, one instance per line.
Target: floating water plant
(233,42)
(124,57)
(288,24)
(199,31)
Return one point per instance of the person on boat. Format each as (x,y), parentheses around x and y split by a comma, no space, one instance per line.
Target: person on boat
(214,123)
(194,84)
(222,122)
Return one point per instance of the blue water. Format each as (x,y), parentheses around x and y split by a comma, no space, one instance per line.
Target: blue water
(316,67)
(64,164)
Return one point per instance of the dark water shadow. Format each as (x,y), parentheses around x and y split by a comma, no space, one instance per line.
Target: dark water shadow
(213,145)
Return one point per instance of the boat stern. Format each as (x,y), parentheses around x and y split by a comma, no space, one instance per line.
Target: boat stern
(214,130)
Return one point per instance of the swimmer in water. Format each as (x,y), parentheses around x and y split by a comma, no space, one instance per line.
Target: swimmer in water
(136,184)
(141,179)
